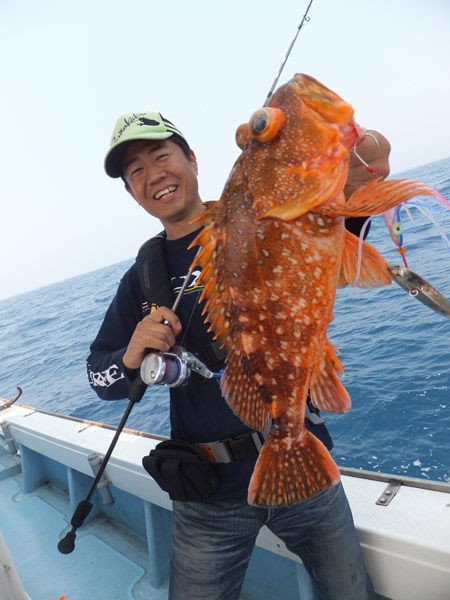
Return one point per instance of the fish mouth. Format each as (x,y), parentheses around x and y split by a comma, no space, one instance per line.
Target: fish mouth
(170,189)
(323,100)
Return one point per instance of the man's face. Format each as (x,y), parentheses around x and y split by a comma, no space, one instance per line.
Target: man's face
(162,180)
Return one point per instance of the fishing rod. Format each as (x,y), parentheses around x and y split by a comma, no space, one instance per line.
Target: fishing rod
(171,369)
(305,19)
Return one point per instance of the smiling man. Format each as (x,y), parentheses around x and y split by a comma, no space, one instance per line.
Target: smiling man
(214,528)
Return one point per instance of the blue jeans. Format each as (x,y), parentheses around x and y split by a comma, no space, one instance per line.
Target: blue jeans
(213,542)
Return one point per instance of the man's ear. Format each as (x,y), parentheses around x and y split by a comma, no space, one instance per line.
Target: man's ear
(193,160)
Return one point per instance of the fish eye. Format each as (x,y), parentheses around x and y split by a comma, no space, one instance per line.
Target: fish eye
(266,123)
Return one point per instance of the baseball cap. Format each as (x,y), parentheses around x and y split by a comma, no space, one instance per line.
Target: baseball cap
(139,126)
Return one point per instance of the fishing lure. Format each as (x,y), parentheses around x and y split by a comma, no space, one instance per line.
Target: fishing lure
(393,223)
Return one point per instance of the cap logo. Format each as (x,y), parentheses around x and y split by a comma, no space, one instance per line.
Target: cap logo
(127,121)
(145,121)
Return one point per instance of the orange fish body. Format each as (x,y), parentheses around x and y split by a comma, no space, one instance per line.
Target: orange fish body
(274,250)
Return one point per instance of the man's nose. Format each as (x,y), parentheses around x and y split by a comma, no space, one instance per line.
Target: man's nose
(155,173)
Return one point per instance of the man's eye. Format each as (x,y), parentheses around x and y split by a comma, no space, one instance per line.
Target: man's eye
(135,171)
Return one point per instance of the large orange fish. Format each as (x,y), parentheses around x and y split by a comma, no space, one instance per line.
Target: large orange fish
(273,252)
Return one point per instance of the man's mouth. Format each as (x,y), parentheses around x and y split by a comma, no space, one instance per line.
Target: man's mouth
(162,193)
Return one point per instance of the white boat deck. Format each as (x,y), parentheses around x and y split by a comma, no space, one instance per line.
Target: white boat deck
(122,551)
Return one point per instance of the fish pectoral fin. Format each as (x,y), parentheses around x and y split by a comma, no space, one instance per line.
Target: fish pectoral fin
(378,196)
(326,389)
(291,470)
(245,396)
(362,265)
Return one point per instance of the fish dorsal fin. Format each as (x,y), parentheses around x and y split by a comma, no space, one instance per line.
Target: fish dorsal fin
(362,265)
(327,392)
(239,385)
(207,239)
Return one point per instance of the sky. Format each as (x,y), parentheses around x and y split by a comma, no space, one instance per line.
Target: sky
(69,68)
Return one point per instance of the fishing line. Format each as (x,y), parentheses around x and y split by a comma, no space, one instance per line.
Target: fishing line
(302,22)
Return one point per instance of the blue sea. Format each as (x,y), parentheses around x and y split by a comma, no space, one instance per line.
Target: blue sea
(395,351)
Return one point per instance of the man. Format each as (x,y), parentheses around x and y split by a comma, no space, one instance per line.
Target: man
(213,535)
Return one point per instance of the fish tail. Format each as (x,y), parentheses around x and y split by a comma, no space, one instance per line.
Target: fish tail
(291,470)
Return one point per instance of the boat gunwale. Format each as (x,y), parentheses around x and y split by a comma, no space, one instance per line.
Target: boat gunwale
(415,482)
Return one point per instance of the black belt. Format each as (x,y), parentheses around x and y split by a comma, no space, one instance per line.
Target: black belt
(248,445)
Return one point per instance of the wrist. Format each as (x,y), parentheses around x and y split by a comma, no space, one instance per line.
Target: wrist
(130,363)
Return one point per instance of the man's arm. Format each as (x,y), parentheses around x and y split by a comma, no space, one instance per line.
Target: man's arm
(125,337)
(108,376)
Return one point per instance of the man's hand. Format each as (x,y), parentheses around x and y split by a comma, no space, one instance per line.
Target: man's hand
(152,333)
(371,151)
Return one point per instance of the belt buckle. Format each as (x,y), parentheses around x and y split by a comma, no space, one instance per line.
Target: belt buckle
(217,452)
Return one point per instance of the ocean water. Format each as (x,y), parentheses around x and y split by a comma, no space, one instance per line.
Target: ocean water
(395,351)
